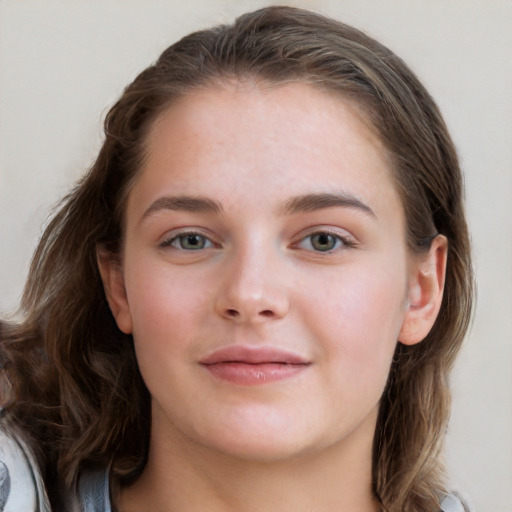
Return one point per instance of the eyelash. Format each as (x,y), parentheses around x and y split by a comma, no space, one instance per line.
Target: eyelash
(176,241)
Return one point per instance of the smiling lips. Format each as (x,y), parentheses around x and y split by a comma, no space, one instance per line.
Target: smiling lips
(251,366)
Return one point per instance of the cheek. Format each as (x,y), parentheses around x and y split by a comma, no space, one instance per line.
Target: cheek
(166,312)
(359,321)
(165,306)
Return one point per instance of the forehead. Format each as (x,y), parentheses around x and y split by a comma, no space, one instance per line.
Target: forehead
(291,138)
(248,102)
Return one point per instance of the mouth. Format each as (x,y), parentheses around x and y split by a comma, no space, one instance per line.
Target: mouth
(245,365)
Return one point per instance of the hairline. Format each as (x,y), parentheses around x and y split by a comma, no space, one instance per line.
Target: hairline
(253,78)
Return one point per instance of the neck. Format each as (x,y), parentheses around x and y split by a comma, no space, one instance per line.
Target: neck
(180,477)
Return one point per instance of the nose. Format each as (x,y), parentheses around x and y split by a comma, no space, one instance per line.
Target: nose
(253,288)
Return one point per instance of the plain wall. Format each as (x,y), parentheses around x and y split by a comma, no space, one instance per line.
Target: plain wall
(63,62)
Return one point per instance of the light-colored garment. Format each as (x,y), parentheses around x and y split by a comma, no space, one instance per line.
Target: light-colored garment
(22,490)
(94,492)
(452,504)
(21,485)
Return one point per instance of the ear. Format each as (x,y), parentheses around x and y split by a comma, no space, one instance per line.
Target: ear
(425,292)
(113,283)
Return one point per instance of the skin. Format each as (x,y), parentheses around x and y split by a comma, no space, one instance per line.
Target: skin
(251,153)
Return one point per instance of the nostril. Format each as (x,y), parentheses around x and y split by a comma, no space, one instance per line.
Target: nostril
(267,313)
(233,313)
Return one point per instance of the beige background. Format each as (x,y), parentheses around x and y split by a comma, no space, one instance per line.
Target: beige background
(62,62)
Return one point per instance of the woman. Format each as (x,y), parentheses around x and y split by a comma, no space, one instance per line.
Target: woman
(254,297)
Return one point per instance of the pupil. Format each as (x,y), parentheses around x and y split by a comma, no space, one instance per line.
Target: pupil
(323,242)
(193,241)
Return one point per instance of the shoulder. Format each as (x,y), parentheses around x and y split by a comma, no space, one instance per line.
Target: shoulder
(94,491)
(453,503)
(21,485)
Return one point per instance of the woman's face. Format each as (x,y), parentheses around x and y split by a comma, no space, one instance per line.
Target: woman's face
(265,273)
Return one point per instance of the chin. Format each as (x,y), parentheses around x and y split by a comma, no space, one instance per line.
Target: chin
(265,443)
(268,451)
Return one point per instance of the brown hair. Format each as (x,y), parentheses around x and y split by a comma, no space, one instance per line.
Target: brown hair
(77,386)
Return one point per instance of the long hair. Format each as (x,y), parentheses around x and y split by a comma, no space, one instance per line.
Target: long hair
(78,392)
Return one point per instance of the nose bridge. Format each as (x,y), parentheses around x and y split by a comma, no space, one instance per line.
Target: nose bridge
(253,286)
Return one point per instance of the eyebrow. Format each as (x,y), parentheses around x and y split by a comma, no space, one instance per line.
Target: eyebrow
(183,203)
(311,202)
(299,204)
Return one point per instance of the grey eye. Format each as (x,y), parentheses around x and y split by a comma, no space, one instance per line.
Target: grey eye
(324,242)
(191,242)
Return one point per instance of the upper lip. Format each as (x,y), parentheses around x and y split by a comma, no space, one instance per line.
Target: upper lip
(252,355)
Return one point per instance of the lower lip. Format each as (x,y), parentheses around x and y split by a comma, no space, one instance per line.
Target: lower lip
(246,374)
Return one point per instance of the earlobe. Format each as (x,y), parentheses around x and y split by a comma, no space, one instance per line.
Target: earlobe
(425,292)
(113,284)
